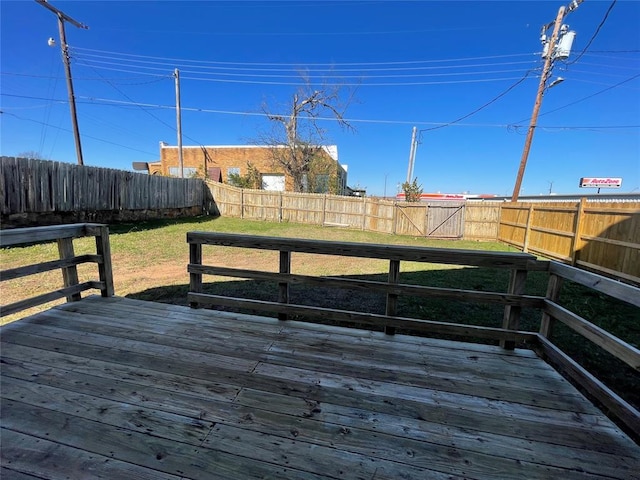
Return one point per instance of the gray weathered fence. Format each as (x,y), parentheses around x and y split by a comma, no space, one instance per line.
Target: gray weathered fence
(30,186)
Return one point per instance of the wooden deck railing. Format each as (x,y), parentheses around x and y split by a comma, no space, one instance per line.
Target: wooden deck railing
(68,262)
(513,300)
(553,312)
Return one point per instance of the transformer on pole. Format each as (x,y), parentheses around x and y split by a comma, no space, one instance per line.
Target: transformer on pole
(558,47)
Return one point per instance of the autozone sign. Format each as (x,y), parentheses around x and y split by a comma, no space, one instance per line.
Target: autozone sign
(601,182)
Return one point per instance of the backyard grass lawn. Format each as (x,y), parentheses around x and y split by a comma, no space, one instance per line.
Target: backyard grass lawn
(150,263)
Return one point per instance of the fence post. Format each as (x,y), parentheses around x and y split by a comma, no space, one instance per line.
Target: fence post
(283,293)
(499,222)
(576,241)
(392,298)
(527,231)
(395,217)
(511,320)
(105,270)
(195,279)
(242,203)
(553,292)
(364,212)
(324,209)
(69,274)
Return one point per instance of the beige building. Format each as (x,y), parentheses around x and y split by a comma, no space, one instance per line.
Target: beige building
(219,162)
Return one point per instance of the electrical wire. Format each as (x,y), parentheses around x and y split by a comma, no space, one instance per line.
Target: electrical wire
(141,107)
(75,77)
(495,99)
(84,134)
(595,34)
(296,74)
(286,68)
(354,84)
(106,101)
(621,67)
(47,112)
(297,65)
(300,81)
(611,87)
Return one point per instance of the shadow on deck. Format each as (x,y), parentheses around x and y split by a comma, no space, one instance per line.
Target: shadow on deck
(110,387)
(123,388)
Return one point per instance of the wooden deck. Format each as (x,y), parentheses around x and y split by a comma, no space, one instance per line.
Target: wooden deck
(124,389)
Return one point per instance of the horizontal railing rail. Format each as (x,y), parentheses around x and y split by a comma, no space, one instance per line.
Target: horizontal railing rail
(513,300)
(67,264)
(625,352)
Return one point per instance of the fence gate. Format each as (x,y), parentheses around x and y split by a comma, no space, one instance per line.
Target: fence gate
(445,219)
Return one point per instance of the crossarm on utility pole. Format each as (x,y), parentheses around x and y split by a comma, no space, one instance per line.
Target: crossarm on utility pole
(63,17)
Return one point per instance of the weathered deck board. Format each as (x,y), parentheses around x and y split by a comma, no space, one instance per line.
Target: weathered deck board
(118,388)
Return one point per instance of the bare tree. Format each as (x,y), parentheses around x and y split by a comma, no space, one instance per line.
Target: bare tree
(32,154)
(297,137)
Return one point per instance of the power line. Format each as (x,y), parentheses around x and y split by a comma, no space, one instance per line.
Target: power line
(297,65)
(615,51)
(145,110)
(105,101)
(84,135)
(298,82)
(595,34)
(273,68)
(29,75)
(587,97)
(97,64)
(480,108)
(357,84)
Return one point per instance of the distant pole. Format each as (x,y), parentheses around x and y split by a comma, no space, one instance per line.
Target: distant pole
(176,74)
(548,62)
(412,154)
(62,17)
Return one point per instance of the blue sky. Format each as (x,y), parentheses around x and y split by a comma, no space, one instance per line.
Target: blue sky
(408,63)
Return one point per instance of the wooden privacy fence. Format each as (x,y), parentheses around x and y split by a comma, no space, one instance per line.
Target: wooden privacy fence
(39,186)
(445,219)
(514,299)
(604,237)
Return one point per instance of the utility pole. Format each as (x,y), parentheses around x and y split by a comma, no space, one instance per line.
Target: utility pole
(550,51)
(176,74)
(63,17)
(412,154)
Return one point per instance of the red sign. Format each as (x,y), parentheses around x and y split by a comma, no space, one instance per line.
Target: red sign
(601,182)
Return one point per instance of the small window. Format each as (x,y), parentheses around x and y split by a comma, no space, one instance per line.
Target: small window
(188,172)
(232,171)
(321,184)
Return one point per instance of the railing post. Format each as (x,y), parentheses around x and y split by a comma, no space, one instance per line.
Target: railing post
(553,292)
(195,279)
(392,298)
(105,270)
(283,293)
(69,274)
(511,320)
